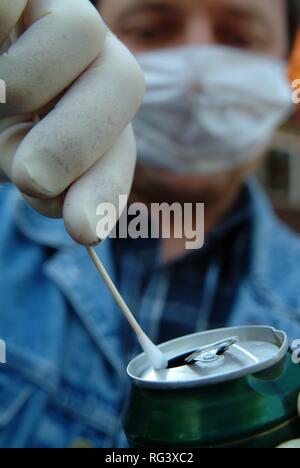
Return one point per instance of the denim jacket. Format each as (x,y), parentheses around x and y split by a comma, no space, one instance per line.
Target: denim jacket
(65,381)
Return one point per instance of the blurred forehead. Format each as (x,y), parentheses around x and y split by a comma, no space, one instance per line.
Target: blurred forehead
(263,7)
(270,12)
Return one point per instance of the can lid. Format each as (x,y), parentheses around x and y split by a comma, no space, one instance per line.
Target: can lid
(258,349)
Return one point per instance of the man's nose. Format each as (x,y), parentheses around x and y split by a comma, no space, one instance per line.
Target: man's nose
(199,30)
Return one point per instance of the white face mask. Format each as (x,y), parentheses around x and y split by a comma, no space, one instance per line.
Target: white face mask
(209,109)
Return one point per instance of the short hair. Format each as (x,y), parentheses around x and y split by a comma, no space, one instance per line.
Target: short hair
(293,13)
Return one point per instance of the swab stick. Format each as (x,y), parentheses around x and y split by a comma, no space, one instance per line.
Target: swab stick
(157,359)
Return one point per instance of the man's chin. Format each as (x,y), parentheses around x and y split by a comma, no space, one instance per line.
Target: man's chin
(164,185)
(183,183)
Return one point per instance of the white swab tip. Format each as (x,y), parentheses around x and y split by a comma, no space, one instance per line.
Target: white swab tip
(156,358)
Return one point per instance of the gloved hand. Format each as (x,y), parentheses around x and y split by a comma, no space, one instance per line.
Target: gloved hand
(86,87)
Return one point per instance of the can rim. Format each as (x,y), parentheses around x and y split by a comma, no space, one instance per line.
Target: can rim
(247,370)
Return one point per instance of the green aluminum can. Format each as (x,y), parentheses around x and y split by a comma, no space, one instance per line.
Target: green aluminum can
(244,398)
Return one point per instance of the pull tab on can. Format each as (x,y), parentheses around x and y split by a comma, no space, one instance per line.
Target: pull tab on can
(206,354)
(211,353)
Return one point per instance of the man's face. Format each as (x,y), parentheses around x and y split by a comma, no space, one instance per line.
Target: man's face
(255,25)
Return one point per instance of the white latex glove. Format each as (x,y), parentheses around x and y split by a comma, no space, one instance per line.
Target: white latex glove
(86,87)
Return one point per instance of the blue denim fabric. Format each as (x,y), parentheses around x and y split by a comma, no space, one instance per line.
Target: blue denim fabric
(192,293)
(65,377)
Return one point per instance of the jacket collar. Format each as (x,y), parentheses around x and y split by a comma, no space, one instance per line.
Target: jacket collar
(75,275)
(41,230)
(275,255)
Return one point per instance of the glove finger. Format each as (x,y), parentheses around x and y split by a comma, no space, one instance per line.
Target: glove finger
(10,13)
(49,208)
(12,132)
(83,125)
(108,179)
(61,39)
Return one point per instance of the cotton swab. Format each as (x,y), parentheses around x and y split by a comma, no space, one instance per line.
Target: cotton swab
(156,358)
